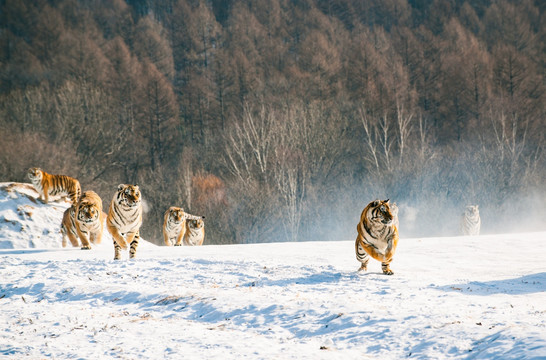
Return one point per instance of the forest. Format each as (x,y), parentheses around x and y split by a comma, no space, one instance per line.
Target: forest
(281,120)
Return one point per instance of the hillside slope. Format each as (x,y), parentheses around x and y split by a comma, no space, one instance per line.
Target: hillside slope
(450,298)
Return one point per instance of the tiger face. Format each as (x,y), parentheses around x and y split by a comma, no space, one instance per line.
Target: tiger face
(176,215)
(129,195)
(472,211)
(195,224)
(380,212)
(35,174)
(88,212)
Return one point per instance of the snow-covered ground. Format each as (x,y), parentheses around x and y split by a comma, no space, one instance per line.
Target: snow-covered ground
(450,298)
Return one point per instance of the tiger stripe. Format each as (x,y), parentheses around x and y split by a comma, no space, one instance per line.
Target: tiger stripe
(52,185)
(124,219)
(471,222)
(377,234)
(68,228)
(195,232)
(89,219)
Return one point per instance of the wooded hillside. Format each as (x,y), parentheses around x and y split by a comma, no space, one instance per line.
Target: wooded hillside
(281,120)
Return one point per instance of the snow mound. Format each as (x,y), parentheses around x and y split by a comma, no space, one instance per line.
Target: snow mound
(25,221)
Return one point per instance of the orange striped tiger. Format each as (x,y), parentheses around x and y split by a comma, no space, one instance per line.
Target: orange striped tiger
(68,227)
(471,222)
(124,219)
(377,235)
(89,219)
(174,225)
(195,232)
(47,184)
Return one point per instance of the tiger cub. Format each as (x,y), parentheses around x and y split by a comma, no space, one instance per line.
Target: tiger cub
(471,223)
(124,219)
(47,184)
(195,232)
(89,219)
(377,235)
(68,227)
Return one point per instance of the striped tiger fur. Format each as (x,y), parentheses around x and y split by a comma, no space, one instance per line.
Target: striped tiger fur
(89,219)
(195,232)
(124,219)
(377,235)
(51,185)
(68,227)
(174,225)
(471,222)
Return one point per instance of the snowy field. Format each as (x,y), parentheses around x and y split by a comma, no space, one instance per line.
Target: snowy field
(450,298)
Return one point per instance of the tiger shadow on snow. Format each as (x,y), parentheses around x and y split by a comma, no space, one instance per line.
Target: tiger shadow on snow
(324,277)
(526,284)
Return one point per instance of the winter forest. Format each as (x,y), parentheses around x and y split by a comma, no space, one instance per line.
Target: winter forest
(281,120)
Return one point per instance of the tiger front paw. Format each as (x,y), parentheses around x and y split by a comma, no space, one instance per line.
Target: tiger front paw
(177,244)
(388,272)
(86,247)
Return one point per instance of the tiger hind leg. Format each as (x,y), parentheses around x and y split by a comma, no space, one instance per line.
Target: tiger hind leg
(386,268)
(134,245)
(362,256)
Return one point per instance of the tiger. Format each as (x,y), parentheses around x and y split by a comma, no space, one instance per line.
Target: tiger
(68,227)
(377,235)
(174,225)
(89,219)
(195,232)
(124,219)
(47,184)
(471,222)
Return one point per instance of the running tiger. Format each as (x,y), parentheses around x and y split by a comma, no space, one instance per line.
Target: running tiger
(174,225)
(68,227)
(89,219)
(471,223)
(195,232)
(124,219)
(47,184)
(377,234)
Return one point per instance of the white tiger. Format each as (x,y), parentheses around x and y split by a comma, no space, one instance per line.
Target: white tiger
(471,222)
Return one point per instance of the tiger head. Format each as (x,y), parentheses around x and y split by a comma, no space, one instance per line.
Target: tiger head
(472,211)
(88,212)
(380,212)
(195,224)
(128,195)
(90,207)
(35,174)
(176,215)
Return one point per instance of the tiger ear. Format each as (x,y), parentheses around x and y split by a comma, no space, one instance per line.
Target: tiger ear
(120,187)
(375,203)
(386,201)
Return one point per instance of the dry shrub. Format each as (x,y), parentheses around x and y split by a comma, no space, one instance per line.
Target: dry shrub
(209,190)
